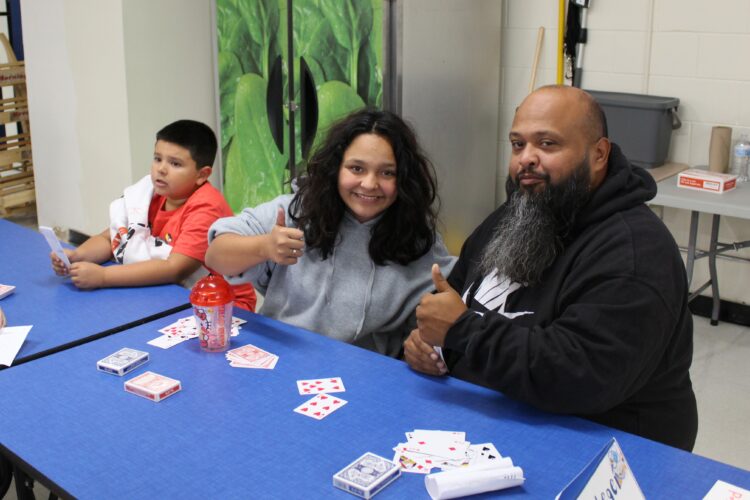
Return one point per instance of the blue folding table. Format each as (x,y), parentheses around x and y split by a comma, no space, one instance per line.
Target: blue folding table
(232,432)
(62,315)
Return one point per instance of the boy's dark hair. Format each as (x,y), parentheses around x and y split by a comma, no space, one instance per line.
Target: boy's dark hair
(196,137)
(406,230)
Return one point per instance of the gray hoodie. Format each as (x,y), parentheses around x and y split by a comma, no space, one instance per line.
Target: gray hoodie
(347,296)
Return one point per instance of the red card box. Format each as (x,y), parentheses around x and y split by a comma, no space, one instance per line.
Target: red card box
(140,386)
(703,180)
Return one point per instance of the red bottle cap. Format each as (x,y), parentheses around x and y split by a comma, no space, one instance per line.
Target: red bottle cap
(213,290)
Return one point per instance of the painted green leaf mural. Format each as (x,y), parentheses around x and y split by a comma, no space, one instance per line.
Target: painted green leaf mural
(256,170)
(341,41)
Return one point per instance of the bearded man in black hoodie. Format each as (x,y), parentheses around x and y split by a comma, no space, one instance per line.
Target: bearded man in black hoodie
(571,296)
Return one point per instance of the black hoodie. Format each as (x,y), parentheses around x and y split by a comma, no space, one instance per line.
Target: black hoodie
(608,334)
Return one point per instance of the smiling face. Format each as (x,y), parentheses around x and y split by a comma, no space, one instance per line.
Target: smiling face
(367,177)
(174,173)
(551,136)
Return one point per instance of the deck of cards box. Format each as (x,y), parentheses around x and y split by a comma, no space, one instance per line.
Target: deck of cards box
(703,180)
(123,361)
(366,476)
(153,386)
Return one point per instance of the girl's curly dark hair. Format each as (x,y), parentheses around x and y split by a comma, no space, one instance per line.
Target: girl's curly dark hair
(406,230)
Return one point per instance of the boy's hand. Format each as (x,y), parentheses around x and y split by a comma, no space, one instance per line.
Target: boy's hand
(57,264)
(86,275)
(284,244)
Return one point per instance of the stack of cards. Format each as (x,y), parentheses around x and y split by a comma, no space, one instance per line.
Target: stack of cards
(123,361)
(425,449)
(6,290)
(323,404)
(249,356)
(366,476)
(153,386)
(184,329)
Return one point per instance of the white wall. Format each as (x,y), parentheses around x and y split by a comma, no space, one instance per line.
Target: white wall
(77,109)
(102,78)
(691,49)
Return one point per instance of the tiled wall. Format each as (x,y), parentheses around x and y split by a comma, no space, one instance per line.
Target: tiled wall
(695,50)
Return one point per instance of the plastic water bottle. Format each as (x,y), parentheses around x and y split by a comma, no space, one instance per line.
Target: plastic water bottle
(212,299)
(741,158)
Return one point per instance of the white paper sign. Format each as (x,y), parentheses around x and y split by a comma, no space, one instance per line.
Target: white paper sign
(724,491)
(608,475)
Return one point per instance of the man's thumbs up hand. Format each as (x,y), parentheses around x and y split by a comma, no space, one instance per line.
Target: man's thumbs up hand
(437,312)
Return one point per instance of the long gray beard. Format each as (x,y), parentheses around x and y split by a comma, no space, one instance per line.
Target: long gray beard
(531,232)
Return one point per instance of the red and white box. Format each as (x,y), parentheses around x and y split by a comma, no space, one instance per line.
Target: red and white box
(152,386)
(703,180)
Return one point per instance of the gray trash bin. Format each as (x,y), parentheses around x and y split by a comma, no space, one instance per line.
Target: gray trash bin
(640,124)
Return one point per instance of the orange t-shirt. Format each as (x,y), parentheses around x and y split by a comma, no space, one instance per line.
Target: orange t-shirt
(186,230)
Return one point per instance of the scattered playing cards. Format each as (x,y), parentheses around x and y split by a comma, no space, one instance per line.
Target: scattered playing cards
(321,385)
(250,356)
(123,361)
(366,476)
(6,290)
(425,449)
(184,329)
(152,386)
(320,406)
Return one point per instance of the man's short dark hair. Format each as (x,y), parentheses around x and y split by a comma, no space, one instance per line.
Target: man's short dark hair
(598,119)
(196,137)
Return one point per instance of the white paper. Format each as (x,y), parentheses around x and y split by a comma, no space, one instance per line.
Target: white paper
(11,340)
(471,481)
(54,244)
(722,490)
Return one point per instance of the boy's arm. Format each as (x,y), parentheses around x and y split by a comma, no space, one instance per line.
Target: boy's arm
(96,249)
(151,272)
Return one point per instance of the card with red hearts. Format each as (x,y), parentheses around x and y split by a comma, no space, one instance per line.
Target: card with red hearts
(320,385)
(320,406)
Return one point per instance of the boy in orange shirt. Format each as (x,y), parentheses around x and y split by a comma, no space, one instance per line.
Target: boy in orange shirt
(169,244)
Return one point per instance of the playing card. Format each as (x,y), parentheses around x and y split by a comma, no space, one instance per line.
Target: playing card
(166,341)
(250,355)
(321,385)
(185,327)
(270,364)
(436,435)
(320,406)
(438,444)
(54,244)
(6,290)
(412,462)
(482,454)
(366,476)
(153,386)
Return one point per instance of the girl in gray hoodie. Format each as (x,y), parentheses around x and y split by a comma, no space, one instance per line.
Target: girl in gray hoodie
(349,254)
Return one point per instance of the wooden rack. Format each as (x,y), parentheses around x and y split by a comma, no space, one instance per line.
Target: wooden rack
(16,168)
